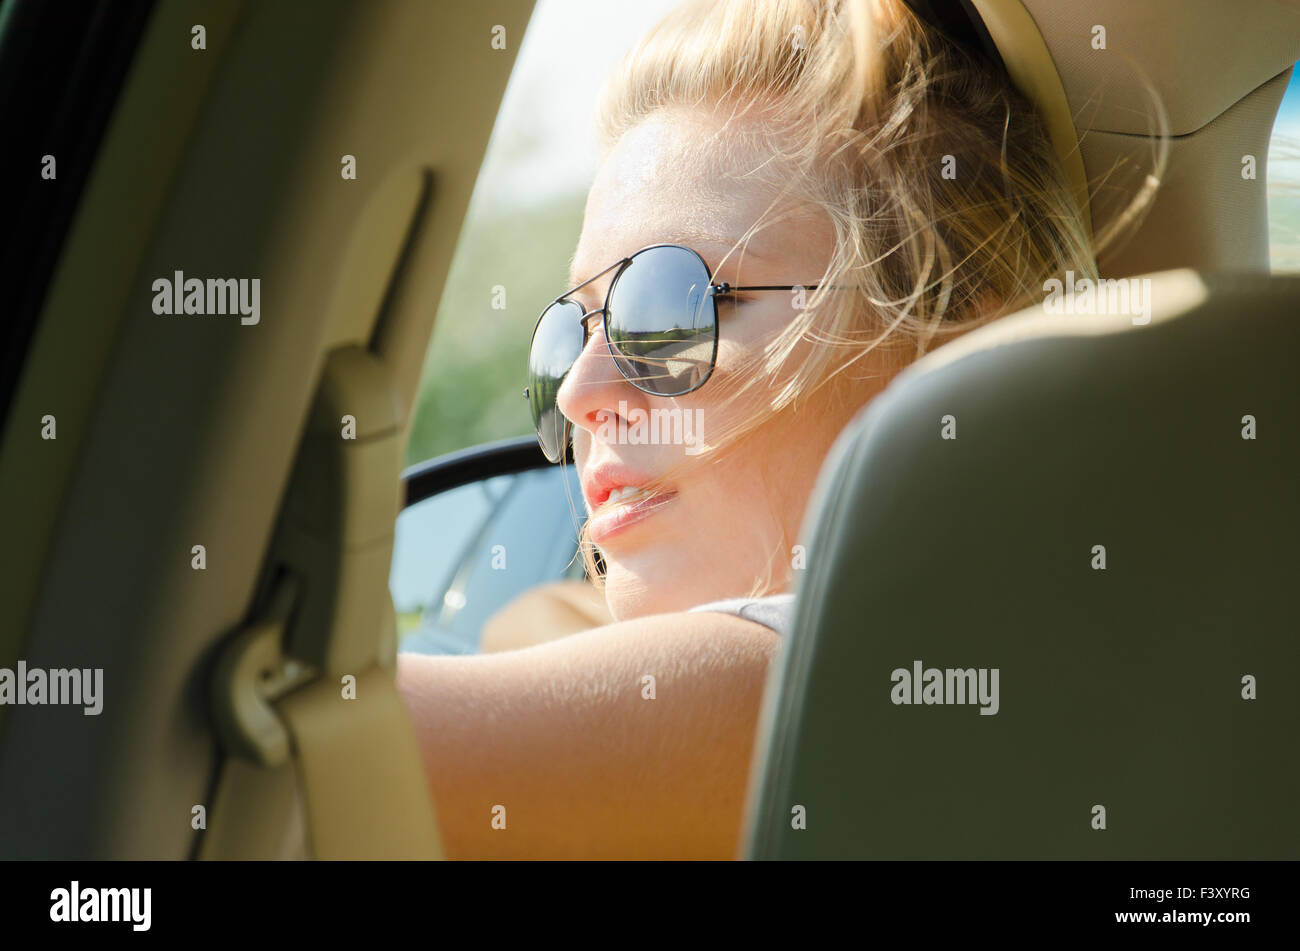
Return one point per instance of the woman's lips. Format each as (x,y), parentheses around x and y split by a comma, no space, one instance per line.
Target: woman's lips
(608,521)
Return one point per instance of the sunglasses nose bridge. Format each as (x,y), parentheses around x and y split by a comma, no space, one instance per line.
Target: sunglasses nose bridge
(586,317)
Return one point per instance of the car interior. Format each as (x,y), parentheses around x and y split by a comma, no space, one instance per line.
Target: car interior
(180,510)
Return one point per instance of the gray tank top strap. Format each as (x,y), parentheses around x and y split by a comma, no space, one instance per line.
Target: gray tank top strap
(776,611)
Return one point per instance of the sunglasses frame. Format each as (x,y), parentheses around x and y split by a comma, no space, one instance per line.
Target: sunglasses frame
(714,291)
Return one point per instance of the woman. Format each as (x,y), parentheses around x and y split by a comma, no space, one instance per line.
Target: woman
(897,192)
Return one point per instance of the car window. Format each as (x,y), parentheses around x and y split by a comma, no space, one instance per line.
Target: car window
(1284,182)
(522,224)
(460,555)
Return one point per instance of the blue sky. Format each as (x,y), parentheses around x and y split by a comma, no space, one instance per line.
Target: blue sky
(1287,127)
(1289,112)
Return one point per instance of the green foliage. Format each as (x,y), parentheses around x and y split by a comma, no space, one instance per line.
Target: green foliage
(1284,231)
(472,388)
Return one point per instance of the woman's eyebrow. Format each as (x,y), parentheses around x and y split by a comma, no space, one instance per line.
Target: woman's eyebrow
(721,252)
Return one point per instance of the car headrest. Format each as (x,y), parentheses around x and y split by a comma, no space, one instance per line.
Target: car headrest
(1218,72)
(1050,597)
(1110,78)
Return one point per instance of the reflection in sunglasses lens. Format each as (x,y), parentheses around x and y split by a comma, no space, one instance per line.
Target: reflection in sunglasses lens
(557,344)
(662,321)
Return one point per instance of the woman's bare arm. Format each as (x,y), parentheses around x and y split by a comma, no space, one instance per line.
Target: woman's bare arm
(565,737)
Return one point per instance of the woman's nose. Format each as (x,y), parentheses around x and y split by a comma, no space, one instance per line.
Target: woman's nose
(594,391)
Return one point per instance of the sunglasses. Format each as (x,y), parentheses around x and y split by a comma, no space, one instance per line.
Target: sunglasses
(661,327)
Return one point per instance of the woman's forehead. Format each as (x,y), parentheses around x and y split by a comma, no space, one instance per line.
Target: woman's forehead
(675,179)
(623,221)
(717,250)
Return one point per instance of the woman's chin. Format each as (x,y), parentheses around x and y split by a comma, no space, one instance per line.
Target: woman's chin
(633,591)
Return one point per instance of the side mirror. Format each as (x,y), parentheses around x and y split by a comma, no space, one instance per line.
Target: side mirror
(478,528)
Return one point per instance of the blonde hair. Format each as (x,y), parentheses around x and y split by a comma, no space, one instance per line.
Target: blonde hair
(856,108)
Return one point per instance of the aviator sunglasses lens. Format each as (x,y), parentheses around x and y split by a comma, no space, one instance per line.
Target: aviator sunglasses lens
(662,321)
(557,344)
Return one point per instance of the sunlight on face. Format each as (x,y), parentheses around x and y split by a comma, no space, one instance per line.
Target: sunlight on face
(730,519)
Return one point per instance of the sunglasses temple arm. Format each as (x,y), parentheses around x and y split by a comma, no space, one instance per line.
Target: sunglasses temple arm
(725,288)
